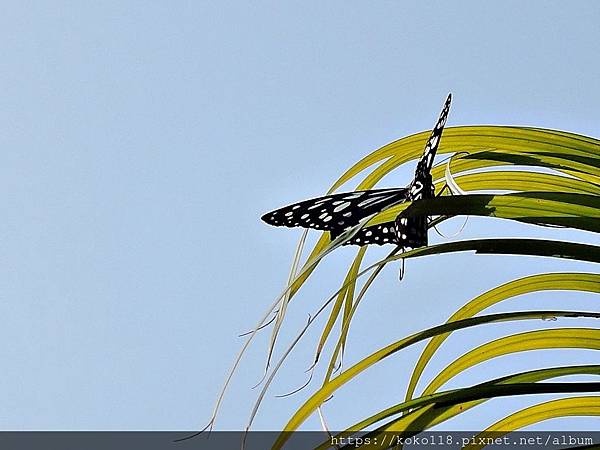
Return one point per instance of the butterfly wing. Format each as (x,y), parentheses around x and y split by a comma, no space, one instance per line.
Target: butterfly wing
(426,162)
(384,233)
(405,232)
(411,231)
(336,213)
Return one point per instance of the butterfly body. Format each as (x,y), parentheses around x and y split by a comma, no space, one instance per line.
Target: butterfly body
(337,213)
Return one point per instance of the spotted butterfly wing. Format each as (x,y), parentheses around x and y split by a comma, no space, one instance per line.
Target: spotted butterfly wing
(336,213)
(422,185)
(423,170)
(384,233)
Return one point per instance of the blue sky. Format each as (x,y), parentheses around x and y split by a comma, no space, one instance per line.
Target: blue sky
(142,141)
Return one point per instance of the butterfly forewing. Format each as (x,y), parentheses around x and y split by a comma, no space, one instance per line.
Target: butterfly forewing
(336,212)
(426,162)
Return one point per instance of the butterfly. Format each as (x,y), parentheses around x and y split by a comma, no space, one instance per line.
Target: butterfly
(339,212)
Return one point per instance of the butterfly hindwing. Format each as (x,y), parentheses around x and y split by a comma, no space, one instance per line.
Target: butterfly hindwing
(411,231)
(336,212)
(384,233)
(405,232)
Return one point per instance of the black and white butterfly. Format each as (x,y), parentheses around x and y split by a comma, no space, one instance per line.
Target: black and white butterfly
(338,212)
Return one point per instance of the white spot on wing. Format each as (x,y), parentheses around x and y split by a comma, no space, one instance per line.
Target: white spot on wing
(343,205)
(374,200)
(352,196)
